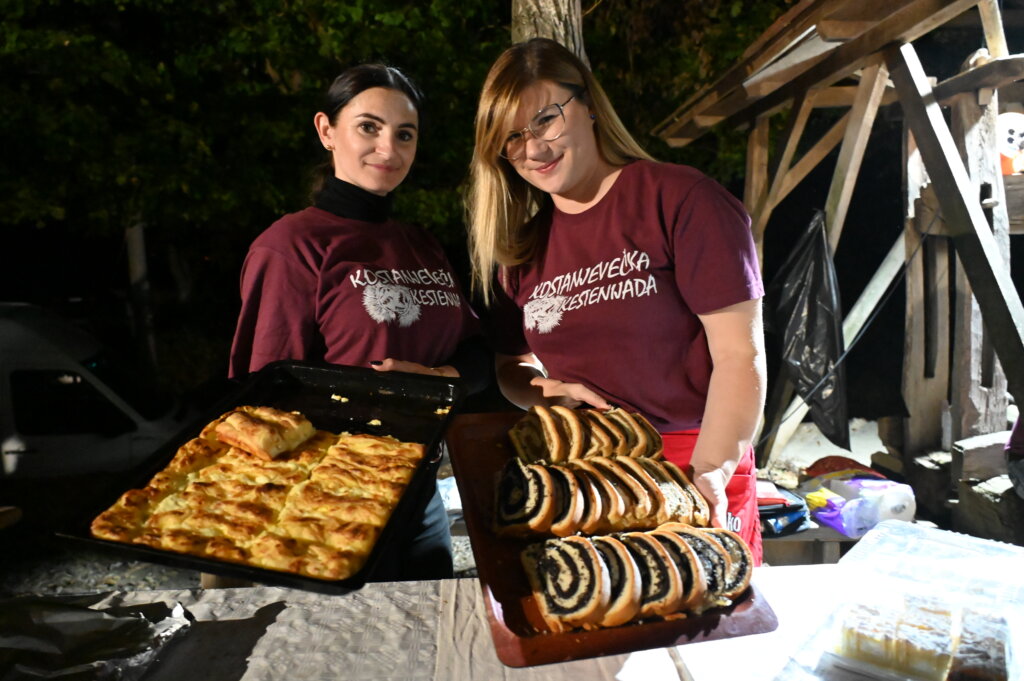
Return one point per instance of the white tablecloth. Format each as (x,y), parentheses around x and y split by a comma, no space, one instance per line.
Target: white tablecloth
(425,631)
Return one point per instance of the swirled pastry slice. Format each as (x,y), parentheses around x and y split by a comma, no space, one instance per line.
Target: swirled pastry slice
(612,502)
(636,437)
(263,431)
(617,436)
(741,563)
(713,558)
(690,570)
(676,502)
(701,510)
(625,581)
(662,592)
(522,503)
(570,503)
(572,426)
(659,504)
(638,503)
(655,443)
(569,582)
(592,517)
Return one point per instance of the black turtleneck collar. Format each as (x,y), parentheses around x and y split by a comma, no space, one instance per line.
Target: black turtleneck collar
(349,201)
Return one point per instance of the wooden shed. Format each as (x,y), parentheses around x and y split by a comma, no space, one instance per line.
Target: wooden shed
(858,56)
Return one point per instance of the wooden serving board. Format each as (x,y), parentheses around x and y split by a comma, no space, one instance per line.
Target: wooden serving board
(478,446)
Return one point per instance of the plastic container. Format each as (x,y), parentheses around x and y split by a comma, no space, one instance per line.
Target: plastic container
(899,575)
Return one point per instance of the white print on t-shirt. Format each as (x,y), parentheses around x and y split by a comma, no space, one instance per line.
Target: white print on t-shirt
(548,300)
(386,299)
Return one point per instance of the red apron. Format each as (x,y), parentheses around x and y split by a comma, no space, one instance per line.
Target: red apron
(741,490)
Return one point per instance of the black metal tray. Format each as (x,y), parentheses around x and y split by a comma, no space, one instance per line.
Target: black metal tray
(410,407)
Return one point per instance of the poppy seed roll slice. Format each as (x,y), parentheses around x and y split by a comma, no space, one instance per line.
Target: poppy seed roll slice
(626,582)
(569,581)
(662,587)
(741,567)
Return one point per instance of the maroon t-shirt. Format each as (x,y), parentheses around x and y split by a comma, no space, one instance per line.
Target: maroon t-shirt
(612,301)
(320,287)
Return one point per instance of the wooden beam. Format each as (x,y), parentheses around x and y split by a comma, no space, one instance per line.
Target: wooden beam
(810,160)
(843,96)
(862,119)
(852,19)
(994,74)
(906,24)
(756,178)
(1000,305)
(992,24)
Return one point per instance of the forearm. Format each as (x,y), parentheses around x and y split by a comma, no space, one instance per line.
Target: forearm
(731,414)
(514,375)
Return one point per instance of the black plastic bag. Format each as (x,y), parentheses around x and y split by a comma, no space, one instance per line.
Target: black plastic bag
(804,310)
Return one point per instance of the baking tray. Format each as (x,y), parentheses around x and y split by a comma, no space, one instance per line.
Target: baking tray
(410,407)
(478,446)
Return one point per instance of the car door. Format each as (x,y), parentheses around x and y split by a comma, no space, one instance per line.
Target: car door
(63,423)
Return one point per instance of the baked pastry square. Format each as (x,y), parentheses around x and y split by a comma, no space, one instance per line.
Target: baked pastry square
(262,431)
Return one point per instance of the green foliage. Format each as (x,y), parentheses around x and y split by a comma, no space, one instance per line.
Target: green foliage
(653,55)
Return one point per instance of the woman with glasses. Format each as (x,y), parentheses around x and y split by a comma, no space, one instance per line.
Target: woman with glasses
(342,282)
(620,280)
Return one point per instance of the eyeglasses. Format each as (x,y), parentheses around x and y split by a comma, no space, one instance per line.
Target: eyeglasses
(548,125)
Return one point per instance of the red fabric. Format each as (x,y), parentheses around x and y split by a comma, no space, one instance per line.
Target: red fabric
(613,300)
(319,287)
(742,516)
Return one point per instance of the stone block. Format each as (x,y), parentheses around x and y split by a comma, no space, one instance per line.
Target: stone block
(990,509)
(980,457)
(929,476)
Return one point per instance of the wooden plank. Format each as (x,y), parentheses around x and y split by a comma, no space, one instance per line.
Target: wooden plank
(978,252)
(843,96)
(862,115)
(852,19)
(925,370)
(755,182)
(802,57)
(995,74)
(854,321)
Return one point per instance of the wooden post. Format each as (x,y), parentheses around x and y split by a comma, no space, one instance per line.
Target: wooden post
(962,212)
(978,385)
(756,179)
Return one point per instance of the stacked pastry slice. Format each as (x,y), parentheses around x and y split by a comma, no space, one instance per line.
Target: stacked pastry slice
(606,581)
(261,486)
(594,495)
(558,434)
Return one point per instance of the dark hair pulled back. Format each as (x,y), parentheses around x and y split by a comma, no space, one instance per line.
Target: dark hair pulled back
(350,84)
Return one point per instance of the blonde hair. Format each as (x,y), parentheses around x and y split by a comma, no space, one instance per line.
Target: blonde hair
(500,203)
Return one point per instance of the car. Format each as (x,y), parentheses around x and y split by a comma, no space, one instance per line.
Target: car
(68,404)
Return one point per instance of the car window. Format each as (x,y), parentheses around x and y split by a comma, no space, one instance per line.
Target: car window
(54,402)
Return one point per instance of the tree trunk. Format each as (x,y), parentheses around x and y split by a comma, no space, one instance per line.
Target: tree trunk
(560,20)
(142,309)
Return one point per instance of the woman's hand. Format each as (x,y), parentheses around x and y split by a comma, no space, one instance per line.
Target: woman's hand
(711,484)
(390,364)
(569,395)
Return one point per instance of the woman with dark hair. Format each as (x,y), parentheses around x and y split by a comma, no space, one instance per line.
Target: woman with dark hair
(620,280)
(341,282)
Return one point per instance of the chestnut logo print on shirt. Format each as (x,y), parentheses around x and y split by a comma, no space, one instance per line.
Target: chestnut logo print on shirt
(393,295)
(621,277)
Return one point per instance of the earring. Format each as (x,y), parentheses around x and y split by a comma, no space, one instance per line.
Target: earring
(593,117)
(329,147)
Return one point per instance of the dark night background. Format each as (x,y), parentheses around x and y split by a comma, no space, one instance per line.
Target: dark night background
(65,260)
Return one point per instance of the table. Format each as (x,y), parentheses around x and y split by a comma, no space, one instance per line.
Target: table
(427,631)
